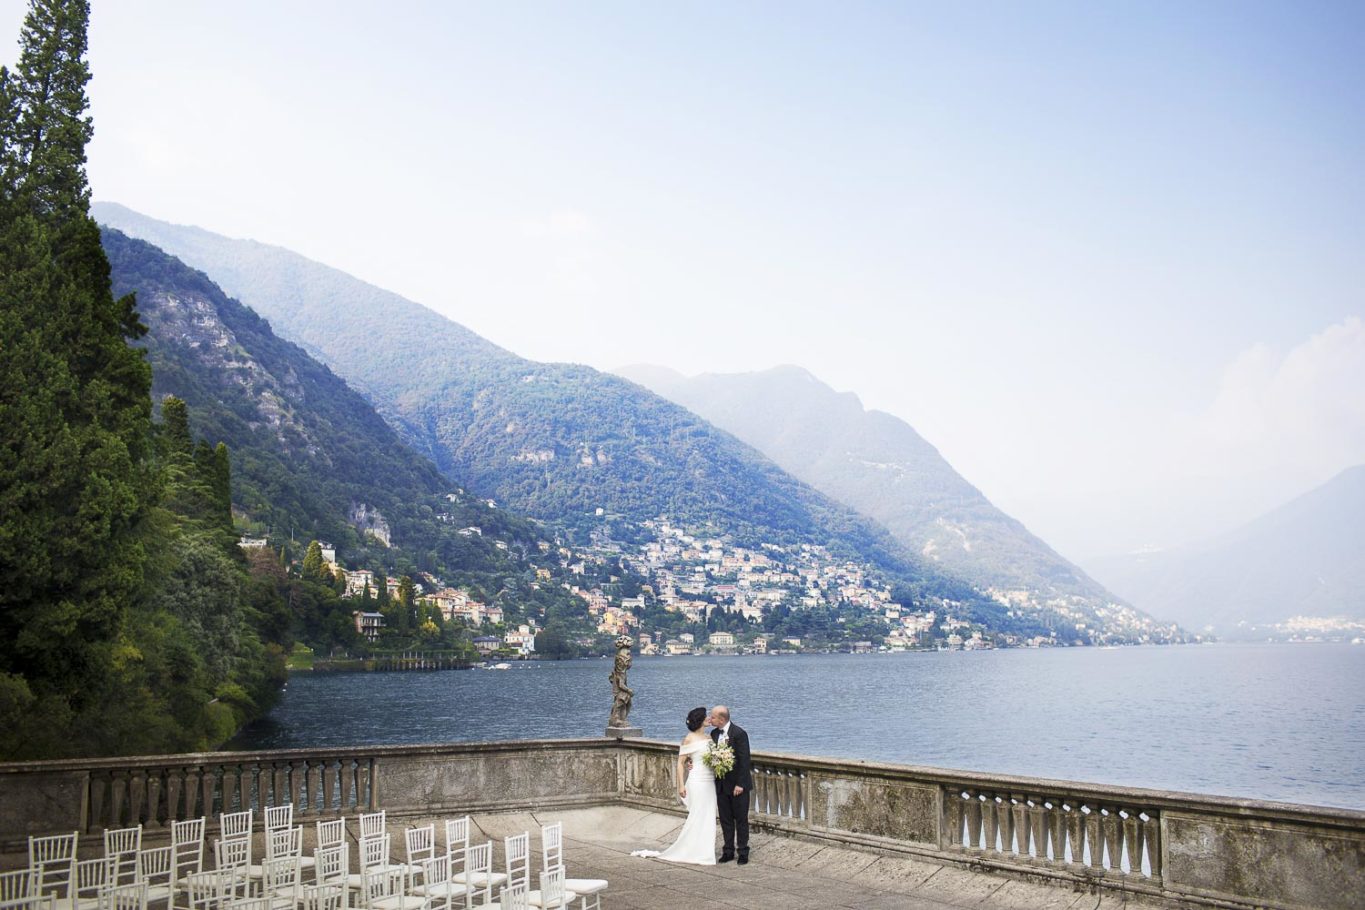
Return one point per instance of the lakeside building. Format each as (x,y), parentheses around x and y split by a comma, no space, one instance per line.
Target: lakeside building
(368,624)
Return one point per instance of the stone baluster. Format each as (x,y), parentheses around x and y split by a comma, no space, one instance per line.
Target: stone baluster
(192,793)
(175,784)
(974,821)
(317,787)
(1113,838)
(1005,821)
(1151,835)
(1037,820)
(990,821)
(137,786)
(1075,828)
(1094,842)
(1132,842)
(280,788)
(1020,823)
(953,817)
(1056,830)
(208,782)
(154,816)
(99,789)
(298,771)
(232,777)
(118,786)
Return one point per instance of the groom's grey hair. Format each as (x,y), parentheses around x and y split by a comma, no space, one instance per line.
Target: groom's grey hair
(721,711)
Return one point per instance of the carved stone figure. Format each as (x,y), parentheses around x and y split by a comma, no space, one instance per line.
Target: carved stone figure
(619,724)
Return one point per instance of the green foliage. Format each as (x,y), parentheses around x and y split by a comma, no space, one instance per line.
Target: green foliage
(553,644)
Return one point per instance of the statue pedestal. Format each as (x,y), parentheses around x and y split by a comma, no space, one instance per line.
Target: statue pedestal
(625,732)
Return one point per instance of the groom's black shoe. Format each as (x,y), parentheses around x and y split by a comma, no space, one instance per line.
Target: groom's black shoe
(743,860)
(727,857)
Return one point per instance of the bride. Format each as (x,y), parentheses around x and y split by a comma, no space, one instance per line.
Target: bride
(696,842)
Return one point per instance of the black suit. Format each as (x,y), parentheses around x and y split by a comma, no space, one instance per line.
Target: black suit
(734,810)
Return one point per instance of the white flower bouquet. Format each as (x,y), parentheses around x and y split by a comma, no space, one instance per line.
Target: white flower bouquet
(720,758)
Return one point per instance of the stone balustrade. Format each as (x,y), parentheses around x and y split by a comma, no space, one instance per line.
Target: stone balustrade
(1167,846)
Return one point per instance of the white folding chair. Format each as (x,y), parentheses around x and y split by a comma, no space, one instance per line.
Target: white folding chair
(552,857)
(89,879)
(478,877)
(517,855)
(374,855)
(373,823)
(435,885)
(277,817)
(330,833)
(19,889)
(419,845)
(513,897)
(187,847)
(280,882)
(156,870)
(379,884)
(325,897)
(121,847)
(124,897)
(231,875)
(551,894)
(54,860)
(235,825)
(331,867)
(248,903)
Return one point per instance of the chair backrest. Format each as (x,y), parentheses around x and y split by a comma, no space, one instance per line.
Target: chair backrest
(330,896)
(331,833)
(18,886)
(420,843)
(89,880)
(379,882)
(187,846)
(331,864)
(479,868)
(518,850)
(552,846)
(280,877)
(156,867)
(552,889)
(231,882)
(513,897)
(284,842)
(279,817)
(434,876)
(231,854)
(54,858)
(232,825)
(121,847)
(373,823)
(374,851)
(124,897)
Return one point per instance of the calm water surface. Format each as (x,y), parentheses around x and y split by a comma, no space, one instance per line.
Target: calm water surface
(1284,722)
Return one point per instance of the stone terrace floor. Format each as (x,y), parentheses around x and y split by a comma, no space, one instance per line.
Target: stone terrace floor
(784,873)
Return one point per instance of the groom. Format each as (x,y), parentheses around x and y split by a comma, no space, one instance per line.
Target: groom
(732,790)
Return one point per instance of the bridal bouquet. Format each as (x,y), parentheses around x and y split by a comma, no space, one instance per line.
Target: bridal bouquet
(720,758)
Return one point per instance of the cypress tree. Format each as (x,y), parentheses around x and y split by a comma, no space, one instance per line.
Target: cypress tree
(76,477)
(313,567)
(222,482)
(175,426)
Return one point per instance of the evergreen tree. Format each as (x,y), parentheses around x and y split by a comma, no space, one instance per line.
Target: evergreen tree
(175,426)
(313,566)
(76,479)
(407,602)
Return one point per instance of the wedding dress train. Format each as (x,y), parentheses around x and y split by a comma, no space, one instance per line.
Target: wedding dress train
(696,841)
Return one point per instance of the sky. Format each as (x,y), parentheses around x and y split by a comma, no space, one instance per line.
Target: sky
(1106,257)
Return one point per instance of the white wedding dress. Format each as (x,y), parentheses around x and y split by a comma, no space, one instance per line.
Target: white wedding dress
(696,842)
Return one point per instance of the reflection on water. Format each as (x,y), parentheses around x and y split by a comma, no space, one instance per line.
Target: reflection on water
(1282,722)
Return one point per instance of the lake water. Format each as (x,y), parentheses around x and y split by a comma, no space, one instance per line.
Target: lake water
(1282,722)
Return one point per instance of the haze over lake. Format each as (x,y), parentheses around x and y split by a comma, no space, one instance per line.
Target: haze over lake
(1281,722)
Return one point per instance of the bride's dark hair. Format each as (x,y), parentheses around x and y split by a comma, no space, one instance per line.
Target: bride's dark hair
(695,718)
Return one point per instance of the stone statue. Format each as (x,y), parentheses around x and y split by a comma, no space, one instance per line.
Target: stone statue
(619,725)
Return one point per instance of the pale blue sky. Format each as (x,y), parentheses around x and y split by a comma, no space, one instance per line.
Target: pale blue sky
(1106,256)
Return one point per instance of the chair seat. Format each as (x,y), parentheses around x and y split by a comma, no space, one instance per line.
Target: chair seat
(83,903)
(479,879)
(355,880)
(398,902)
(534,899)
(441,890)
(585,885)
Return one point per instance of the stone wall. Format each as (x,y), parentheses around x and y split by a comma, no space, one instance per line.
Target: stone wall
(1173,846)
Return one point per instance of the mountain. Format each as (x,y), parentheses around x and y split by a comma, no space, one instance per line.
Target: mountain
(1305,558)
(879,465)
(554,441)
(596,454)
(311,458)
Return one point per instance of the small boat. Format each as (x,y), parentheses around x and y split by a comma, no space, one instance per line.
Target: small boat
(501,667)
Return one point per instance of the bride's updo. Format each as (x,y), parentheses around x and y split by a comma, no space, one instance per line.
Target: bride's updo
(695,718)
